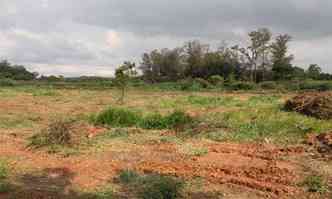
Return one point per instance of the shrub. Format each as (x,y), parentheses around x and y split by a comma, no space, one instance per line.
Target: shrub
(117,117)
(315,184)
(242,86)
(58,132)
(268,85)
(128,176)
(312,85)
(203,83)
(190,85)
(161,187)
(216,80)
(177,119)
(4,186)
(154,121)
(7,82)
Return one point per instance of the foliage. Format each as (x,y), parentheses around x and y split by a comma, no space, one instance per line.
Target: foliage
(315,184)
(128,176)
(122,77)
(7,82)
(153,121)
(268,85)
(15,72)
(117,117)
(241,86)
(4,186)
(216,80)
(161,187)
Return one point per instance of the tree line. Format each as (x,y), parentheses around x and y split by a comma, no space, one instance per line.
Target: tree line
(266,58)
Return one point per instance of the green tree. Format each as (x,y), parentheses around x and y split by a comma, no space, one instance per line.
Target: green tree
(122,77)
(314,71)
(281,61)
(256,53)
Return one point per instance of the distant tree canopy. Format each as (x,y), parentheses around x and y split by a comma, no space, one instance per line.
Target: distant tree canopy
(264,59)
(15,72)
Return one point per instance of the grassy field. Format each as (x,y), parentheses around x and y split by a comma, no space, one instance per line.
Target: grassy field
(194,144)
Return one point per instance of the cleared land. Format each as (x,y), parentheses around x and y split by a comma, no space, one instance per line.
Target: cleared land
(243,145)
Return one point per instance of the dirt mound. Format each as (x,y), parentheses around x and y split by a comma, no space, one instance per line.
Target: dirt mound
(313,104)
(322,142)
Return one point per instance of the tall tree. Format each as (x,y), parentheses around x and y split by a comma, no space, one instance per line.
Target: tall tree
(122,76)
(195,52)
(314,71)
(281,61)
(257,51)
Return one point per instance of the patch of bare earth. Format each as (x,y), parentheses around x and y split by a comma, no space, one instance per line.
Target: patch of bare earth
(257,168)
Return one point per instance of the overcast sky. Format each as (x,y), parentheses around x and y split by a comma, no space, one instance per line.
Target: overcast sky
(92,37)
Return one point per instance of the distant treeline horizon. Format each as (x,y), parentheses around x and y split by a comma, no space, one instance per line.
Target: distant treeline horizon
(266,58)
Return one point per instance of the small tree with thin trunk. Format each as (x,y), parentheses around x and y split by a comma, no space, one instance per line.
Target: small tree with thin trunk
(122,77)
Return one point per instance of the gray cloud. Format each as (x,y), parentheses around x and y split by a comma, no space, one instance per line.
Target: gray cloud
(93,36)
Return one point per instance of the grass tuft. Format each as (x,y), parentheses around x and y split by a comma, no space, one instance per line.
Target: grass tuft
(315,184)
(117,117)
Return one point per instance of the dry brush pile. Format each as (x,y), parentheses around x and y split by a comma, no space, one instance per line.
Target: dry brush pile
(315,104)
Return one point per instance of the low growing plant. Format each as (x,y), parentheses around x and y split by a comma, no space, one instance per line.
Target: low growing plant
(117,117)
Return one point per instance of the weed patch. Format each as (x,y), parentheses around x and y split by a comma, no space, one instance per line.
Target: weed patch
(4,186)
(117,117)
(315,184)
(152,186)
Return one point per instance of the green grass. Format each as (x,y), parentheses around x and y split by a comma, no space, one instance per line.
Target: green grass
(262,118)
(315,184)
(16,121)
(212,101)
(118,117)
(123,117)
(4,186)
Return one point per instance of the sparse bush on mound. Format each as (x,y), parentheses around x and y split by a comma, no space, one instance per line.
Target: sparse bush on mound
(117,117)
(317,105)
(58,132)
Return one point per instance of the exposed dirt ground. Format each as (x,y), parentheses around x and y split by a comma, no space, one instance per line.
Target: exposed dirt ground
(237,170)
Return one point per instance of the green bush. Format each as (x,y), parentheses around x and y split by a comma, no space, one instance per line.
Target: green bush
(161,187)
(241,86)
(154,121)
(190,85)
(315,85)
(58,132)
(268,85)
(177,119)
(7,82)
(117,117)
(216,80)
(128,176)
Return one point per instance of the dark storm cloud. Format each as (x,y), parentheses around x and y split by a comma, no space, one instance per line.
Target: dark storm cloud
(105,32)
